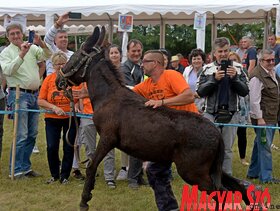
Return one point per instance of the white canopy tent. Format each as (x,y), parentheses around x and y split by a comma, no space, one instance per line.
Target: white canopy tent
(145,12)
(71,30)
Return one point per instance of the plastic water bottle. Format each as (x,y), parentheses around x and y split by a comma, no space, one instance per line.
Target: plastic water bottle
(263,136)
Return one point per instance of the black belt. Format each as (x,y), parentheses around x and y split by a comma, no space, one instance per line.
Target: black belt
(24,90)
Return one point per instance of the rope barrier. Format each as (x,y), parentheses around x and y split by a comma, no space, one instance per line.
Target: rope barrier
(82,115)
(89,116)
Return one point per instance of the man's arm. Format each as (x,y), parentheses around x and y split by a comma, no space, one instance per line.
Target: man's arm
(256,87)
(10,62)
(42,68)
(206,84)
(186,97)
(240,83)
(252,56)
(51,33)
(252,64)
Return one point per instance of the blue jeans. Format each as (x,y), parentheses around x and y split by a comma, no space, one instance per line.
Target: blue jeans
(261,160)
(27,130)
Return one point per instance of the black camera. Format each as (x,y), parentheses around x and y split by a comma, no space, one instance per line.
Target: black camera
(75,15)
(225,64)
(31,36)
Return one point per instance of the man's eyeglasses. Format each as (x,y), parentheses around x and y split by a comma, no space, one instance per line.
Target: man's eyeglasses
(147,60)
(269,60)
(15,33)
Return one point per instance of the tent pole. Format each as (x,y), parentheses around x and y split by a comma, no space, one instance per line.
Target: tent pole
(277,24)
(213,31)
(49,20)
(162,33)
(111,31)
(266,28)
(76,43)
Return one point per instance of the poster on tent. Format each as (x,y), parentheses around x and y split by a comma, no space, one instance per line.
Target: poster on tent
(199,21)
(277,25)
(18,19)
(125,23)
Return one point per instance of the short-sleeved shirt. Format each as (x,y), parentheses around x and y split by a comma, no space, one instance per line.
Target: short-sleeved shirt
(250,54)
(50,93)
(276,50)
(170,84)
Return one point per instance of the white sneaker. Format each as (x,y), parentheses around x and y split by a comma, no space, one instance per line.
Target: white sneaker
(122,175)
(274,147)
(35,150)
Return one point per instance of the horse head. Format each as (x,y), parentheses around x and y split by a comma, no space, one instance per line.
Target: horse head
(92,51)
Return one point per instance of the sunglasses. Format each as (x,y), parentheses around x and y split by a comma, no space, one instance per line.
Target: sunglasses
(269,60)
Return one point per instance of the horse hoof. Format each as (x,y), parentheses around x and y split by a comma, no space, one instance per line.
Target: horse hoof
(84,207)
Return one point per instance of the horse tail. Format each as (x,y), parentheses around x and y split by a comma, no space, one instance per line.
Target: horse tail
(234,184)
(216,169)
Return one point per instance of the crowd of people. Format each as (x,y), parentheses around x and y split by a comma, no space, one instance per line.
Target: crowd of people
(238,87)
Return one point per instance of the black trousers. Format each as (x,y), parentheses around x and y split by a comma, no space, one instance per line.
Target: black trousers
(159,175)
(135,171)
(53,133)
(242,141)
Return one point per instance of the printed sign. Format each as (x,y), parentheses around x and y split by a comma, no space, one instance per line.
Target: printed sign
(19,19)
(199,21)
(125,23)
(227,200)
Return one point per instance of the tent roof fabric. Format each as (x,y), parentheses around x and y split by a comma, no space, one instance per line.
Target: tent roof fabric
(144,11)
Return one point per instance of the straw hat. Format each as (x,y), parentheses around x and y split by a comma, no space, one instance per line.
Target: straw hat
(174,58)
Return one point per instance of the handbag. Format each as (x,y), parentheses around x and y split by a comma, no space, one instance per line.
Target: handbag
(223,116)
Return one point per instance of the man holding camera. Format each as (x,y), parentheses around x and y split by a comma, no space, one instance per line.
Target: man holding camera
(221,82)
(19,61)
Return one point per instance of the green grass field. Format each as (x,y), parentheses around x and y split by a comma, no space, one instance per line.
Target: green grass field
(34,194)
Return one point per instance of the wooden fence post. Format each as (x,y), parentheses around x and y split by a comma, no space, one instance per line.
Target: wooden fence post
(15,133)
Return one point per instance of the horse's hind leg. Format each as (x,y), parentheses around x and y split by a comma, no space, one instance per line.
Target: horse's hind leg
(102,149)
(199,177)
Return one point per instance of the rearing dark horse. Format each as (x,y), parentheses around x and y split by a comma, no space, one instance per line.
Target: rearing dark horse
(162,135)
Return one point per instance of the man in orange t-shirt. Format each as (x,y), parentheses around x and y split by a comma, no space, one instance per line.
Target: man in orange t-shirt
(163,88)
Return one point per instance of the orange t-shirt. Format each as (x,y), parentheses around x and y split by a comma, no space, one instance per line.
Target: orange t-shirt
(87,108)
(170,84)
(85,104)
(50,93)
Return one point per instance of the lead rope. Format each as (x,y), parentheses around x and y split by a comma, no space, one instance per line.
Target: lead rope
(68,94)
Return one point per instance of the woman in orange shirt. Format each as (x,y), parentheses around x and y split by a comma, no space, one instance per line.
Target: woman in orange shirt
(52,99)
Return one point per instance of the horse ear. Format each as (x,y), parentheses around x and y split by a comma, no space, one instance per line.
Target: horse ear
(101,37)
(91,40)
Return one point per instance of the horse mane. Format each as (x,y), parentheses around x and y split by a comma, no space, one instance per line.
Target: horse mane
(115,74)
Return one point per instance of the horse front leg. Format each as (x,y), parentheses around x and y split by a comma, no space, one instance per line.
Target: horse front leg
(101,151)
